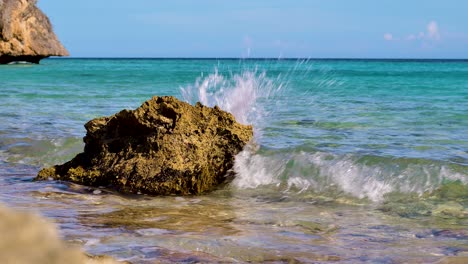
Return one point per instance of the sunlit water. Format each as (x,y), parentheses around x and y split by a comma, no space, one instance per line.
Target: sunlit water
(353,161)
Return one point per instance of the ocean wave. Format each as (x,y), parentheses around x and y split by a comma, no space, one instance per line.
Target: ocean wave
(370,177)
(39,151)
(326,168)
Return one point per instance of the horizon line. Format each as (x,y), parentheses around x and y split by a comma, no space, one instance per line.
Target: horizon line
(263,58)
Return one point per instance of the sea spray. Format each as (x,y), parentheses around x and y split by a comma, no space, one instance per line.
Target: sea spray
(241,94)
(253,98)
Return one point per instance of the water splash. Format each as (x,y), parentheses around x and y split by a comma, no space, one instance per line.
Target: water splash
(256,98)
(241,94)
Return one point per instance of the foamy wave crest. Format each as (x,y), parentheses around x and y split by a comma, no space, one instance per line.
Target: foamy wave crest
(361,177)
(240,94)
(254,170)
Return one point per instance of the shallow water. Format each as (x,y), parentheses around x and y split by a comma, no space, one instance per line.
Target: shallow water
(354,161)
(233,225)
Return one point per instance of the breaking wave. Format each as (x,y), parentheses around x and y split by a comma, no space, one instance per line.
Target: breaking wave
(253,98)
(370,177)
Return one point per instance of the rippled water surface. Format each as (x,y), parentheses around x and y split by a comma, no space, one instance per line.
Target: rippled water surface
(354,161)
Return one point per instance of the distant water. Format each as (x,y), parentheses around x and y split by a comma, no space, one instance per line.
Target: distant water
(370,153)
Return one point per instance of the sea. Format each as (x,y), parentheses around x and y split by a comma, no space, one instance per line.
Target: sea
(352,161)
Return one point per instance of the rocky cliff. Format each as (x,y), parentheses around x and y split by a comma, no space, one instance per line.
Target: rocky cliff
(163,147)
(26,33)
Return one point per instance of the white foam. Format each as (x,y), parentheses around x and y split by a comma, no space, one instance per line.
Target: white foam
(255,170)
(322,172)
(359,181)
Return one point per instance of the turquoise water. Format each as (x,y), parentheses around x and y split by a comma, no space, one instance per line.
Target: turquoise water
(336,142)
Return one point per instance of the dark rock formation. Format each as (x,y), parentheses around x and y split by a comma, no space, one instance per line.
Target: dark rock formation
(163,147)
(26,33)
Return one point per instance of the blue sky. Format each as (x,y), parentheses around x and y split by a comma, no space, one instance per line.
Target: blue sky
(262,28)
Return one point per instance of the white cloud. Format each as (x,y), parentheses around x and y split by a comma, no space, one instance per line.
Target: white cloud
(432,33)
(388,36)
(433,30)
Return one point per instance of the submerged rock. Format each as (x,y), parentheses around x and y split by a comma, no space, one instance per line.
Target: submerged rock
(163,147)
(26,33)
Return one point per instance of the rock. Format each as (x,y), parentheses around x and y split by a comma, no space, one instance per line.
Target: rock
(27,238)
(163,147)
(26,33)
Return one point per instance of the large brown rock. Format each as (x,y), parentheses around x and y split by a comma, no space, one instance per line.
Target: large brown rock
(26,33)
(163,147)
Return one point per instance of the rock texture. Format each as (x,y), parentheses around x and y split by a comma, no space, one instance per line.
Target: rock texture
(26,33)
(163,147)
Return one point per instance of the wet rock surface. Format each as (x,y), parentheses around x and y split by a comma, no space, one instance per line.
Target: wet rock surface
(163,147)
(26,33)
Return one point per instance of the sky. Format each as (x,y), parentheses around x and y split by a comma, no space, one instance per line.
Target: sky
(262,28)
